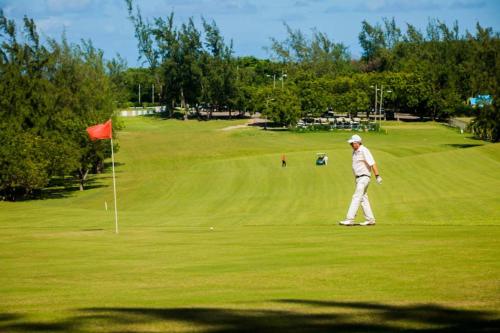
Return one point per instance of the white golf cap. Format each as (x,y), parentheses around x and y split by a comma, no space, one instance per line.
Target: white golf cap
(354,138)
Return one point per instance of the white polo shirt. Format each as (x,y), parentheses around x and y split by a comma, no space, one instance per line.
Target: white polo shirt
(362,161)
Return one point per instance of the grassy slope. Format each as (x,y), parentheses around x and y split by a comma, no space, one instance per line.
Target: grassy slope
(275,257)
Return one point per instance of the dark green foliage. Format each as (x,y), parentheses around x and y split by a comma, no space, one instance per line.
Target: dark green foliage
(282,107)
(49,94)
(486,125)
(319,55)
(189,73)
(23,163)
(219,71)
(132,79)
(448,67)
(430,74)
(117,72)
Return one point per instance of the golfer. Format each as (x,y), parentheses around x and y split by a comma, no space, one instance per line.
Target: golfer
(362,166)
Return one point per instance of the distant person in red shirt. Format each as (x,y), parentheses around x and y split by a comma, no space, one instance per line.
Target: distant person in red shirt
(283,160)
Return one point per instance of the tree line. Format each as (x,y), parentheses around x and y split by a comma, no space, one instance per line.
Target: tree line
(430,73)
(49,93)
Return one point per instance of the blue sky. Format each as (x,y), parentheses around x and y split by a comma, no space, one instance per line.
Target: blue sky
(250,23)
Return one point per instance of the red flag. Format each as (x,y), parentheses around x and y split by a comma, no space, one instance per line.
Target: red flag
(101,131)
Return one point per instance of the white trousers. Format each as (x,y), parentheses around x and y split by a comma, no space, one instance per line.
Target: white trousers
(360,197)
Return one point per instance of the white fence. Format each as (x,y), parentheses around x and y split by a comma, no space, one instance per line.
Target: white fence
(454,122)
(141,111)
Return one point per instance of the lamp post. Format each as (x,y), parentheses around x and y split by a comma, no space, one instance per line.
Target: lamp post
(382,101)
(375,105)
(274,80)
(282,78)
(139,94)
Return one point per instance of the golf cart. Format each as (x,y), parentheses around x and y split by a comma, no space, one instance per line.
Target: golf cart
(321,159)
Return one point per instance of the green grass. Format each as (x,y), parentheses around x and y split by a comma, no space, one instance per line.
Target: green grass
(216,237)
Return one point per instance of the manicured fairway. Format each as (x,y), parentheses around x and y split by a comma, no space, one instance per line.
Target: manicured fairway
(216,237)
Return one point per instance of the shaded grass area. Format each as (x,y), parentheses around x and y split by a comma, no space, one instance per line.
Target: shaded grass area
(282,278)
(324,316)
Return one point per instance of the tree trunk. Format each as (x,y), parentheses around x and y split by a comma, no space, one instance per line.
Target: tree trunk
(183,99)
(99,167)
(159,90)
(198,115)
(82,176)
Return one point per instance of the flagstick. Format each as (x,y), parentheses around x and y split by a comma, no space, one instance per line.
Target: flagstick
(114,186)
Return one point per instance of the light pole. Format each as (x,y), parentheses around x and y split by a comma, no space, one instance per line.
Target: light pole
(274,80)
(375,105)
(382,101)
(139,94)
(282,78)
(160,97)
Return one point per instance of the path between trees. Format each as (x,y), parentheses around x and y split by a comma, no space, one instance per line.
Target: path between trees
(251,122)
